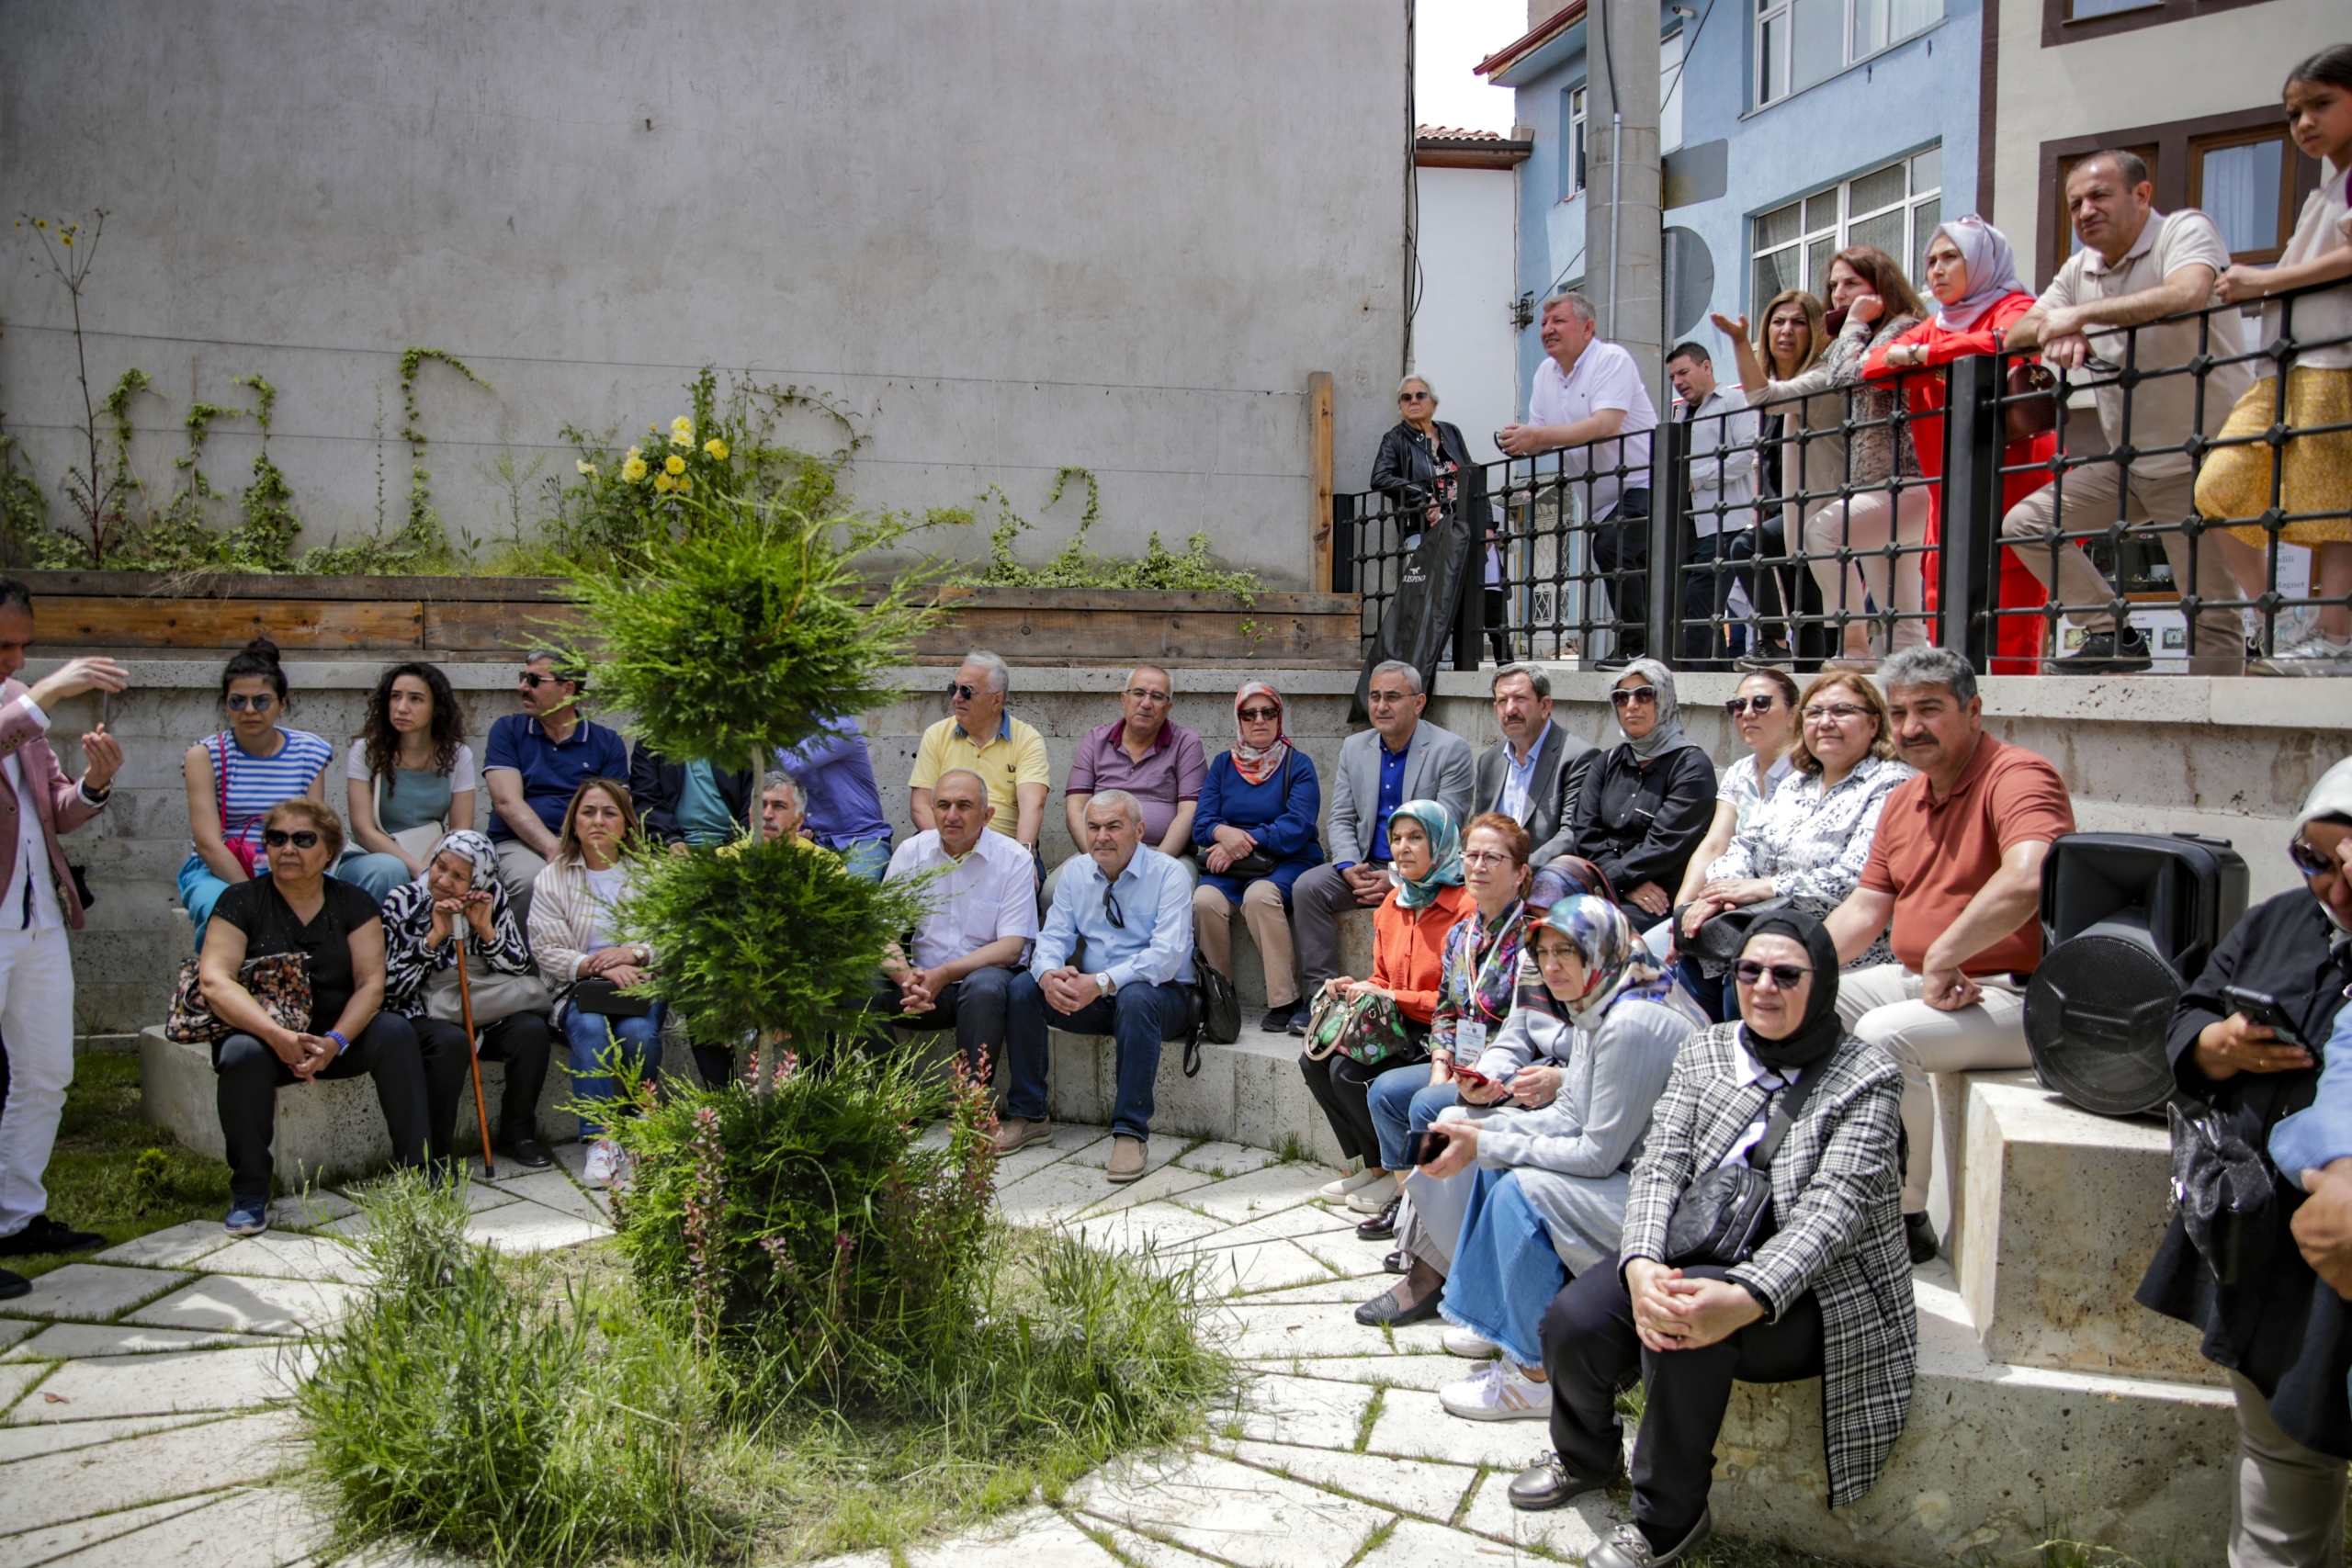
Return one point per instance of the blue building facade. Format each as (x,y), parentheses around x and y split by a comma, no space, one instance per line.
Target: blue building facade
(1791,129)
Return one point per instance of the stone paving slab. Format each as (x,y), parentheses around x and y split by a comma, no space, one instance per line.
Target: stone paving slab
(1037,1537)
(1157,1154)
(45,1546)
(1231,1512)
(310,1211)
(15,1328)
(291,1258)
(1286,1224)
(1263,1333)
(172,1246)
(1303,1412)
(77,1483)
(1166,1182)
(1571,1531)
(1143,1550)
(1431,1490)
(1414,1424)
(1260,1193)
(170,1384)
(262,1527)
(69,1341)
(554,1189)
(55,1437)
(15,1379)
(1059,1191)
(1268,1266)
(1331,1291)
(1152,1228)
(1425,1373)
(1222,1160)
(90,1292)
(250,1306)
(531,1227)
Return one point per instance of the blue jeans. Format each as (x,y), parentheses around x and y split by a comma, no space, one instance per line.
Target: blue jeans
(640,1040)
(200,890)
(868,860)
(1712,993)
(1137,1017)
(1505,1272)
(1404,1101)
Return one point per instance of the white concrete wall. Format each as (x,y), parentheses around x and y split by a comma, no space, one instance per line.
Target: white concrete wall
(1017,234)
(1462,339)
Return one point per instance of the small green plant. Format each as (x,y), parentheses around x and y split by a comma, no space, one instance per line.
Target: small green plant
(98,493)
(1077,567)
(149,1174)
(422,535)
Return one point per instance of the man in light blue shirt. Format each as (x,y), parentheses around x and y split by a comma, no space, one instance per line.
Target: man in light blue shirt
(1115,958)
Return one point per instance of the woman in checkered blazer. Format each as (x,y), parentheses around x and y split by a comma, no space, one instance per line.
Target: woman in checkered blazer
(1826,1293)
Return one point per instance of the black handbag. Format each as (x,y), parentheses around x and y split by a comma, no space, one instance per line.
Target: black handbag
(2220,1183)
(1258,863)
(1726,932)
(598,994)
(1725,1216)
(1220,1003)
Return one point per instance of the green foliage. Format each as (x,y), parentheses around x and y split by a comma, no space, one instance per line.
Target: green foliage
(760,933)
(24,510)
(1077,567)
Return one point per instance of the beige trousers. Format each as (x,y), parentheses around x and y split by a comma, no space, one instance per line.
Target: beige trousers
(1865,523)
(1262,906)
(1881,1005)
(2287,1509)
(2090,502)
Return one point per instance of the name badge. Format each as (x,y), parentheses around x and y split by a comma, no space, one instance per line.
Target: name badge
(1469,1042)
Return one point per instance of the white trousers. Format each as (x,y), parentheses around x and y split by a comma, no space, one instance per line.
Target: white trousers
(36,1023)
(1881,1005)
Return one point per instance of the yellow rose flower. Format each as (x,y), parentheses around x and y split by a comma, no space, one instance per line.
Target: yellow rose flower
(585,467)
(634,470)
(686,487)
(715,447)
(664,484)
(674,465)
(637,452)
(681,429)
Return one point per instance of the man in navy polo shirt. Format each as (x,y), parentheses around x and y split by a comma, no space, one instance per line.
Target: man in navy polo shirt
(535,761)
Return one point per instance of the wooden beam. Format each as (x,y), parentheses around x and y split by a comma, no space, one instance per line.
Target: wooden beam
(1318,465)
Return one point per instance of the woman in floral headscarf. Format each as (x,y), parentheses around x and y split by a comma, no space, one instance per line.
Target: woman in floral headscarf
(1408,932)
(1255,830)
(459,895)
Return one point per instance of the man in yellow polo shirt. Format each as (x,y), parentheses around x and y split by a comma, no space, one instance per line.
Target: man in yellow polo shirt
(1008,755)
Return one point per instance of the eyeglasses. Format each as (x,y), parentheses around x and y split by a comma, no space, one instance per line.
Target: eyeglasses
(1645,695)
(1414,397)
(1833,713)
(1762,705)
(1146,695)
(957,689)
(302,838)
(1258,715)
(1483,857)
(1118,917)
(2310,859)
(262,702)
(1784,975)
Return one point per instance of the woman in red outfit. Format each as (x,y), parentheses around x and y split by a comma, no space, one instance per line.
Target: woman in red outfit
(1972,273)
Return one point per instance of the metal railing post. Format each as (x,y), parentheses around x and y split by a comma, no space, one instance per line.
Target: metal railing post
(1971,523)
(1666,541)
(1343,545)
(1470,608)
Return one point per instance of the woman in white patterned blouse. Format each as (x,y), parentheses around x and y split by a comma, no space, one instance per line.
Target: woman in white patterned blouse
(1809,842)
(1764,713)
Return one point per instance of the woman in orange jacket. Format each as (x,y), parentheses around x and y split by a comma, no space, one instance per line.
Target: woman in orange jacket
(1408,932)
(1972,273)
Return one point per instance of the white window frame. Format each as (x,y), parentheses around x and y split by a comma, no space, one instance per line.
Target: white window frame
(1840,232)
(1670,91)
(1773,63)
(1573,143)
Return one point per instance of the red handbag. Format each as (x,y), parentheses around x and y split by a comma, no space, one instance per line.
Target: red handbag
(247,851)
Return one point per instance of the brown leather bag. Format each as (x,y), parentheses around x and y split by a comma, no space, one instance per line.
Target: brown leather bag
(2038,415)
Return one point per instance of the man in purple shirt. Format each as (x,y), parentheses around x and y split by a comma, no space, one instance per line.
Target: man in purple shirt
(1150,756)
(838,792)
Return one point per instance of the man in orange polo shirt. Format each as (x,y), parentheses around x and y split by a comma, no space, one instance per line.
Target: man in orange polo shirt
(1956,866)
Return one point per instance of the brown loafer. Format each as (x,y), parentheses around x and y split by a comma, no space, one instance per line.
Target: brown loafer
(1018,1133)
(1127,1158)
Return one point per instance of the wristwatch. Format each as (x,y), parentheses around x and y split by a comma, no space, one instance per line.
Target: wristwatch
(1103,980)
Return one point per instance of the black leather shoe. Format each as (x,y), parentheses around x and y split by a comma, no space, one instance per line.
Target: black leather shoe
(1278,1020)
(2105,653)
(13,1285)
(1382,1225)
(1628,1547)
(1919,1234)
(1398,1262)
(526,1153)
(45,1234)
(1383,1308)
(1298,1015)
(1616,661)
(1547,1483)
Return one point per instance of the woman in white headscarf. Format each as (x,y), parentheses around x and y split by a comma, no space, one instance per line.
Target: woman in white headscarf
(1647,802)
(2282,1332)
(460,896)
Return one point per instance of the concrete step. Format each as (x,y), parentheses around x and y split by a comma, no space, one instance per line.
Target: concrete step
(1249,1092)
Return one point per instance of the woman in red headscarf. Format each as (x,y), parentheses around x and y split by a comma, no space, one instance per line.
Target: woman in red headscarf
(1255,828)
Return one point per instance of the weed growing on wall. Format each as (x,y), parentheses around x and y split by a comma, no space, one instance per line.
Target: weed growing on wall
(1074,566)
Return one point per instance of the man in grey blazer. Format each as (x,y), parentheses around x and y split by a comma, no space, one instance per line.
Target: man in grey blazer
(1533,771)
(1397,760)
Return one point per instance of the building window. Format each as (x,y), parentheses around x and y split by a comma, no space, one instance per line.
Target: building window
(2245,181)
(2239,169)
(1801,43)
(1670,91)
(1896,208)
(2072,21)
(1572,141)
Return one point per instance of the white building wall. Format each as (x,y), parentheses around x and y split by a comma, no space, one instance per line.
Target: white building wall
(1462,338)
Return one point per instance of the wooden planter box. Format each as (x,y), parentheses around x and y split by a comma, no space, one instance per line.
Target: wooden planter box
(152,615)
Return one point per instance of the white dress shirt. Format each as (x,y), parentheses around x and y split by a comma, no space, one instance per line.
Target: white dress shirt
(42,914)
(991,892)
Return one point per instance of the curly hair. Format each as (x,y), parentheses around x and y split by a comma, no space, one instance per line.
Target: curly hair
(381,743)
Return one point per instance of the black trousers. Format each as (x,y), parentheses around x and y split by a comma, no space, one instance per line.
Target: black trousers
(520,1039)
(1339,1084)
(1622,545)
(249,1075)
(975,1006)
(1591,1354)
(1706,599)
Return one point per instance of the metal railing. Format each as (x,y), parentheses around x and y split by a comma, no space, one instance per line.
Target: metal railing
(2141,499)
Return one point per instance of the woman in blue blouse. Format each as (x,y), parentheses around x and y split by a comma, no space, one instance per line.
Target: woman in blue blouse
(1255,827)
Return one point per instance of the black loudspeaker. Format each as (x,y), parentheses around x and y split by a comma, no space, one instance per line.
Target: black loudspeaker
(2127,921)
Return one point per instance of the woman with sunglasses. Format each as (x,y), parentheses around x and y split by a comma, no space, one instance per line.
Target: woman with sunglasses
(293,905)
(2281,1331)
(1826,1293)
(1424,466)
(1255,828)
(410,777)
(1764,712)
(1648,801)
(1807,845)
(1408,932)
(234,777)
(574,929)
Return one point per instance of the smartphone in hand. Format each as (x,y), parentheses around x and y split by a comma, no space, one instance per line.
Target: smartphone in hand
(2261,1007)
(1423,1148)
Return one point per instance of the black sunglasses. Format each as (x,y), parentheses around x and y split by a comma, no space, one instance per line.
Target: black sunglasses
(1762,705)
(1258,716)
(1118,917)
(2308,859)
(260,703)
(1643,695)
(957,689)
(534,680)
(300,838)
(1784,975)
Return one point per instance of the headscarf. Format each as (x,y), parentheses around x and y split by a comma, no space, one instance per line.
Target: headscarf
(1991,271)
(417,906)
(1617,964)
(1666,735)
(1564,878)
(1819,1031)
(1257,764)
(1445,854)
(2330,796)
(475,847)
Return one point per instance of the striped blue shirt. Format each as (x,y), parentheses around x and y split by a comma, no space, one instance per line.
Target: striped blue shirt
(256,784)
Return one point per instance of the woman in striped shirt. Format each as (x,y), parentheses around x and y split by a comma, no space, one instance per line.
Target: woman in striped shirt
(234,777)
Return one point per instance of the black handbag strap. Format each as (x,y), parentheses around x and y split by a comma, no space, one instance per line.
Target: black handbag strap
(1785,1110)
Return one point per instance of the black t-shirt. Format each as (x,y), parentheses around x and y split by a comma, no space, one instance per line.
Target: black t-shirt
(260,910)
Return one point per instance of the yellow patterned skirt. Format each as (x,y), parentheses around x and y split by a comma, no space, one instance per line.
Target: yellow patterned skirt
(2235,481)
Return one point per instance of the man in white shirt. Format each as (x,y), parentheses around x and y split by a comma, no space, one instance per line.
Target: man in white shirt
(2136,266)
(1719,464)
(39,902)
(1589,404)
(983,918)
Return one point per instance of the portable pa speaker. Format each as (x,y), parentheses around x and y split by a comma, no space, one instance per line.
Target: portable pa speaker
(2127,921)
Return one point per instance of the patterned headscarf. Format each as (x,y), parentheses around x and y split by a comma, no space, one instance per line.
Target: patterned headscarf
(1445,854)
(1566,878)
(1991,271)
(476,848)
(1617,965)
(1257,764)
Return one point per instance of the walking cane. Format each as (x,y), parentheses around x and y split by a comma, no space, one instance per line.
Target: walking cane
(481,1110)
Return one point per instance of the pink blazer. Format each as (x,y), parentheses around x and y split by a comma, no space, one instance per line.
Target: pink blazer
(57,800)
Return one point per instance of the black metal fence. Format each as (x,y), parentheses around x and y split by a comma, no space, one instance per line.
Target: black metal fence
(2154,507)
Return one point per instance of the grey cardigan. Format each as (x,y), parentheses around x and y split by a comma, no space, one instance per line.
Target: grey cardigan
(1609,1079)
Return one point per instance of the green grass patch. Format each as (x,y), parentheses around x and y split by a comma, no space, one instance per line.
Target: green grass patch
(114,1173)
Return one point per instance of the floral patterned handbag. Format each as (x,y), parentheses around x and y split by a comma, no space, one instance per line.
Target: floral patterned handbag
(1367,1030)
(280,982)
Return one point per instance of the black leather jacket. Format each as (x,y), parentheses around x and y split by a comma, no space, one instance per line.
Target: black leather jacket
(1404,470)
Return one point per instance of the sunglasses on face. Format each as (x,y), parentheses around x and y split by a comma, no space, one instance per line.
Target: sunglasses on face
(1413,396)
(1645,695)
(957,689)
(534,680)
(1739,706)
(1784,975)
(300,838)
(1260,716)
(2309,859)
(261,704)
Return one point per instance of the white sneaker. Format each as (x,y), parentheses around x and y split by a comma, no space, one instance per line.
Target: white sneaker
(2313,655)
(1468,1346)
(604,1162)
(1372,1196)
(1498,1392)
(1339,1191)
